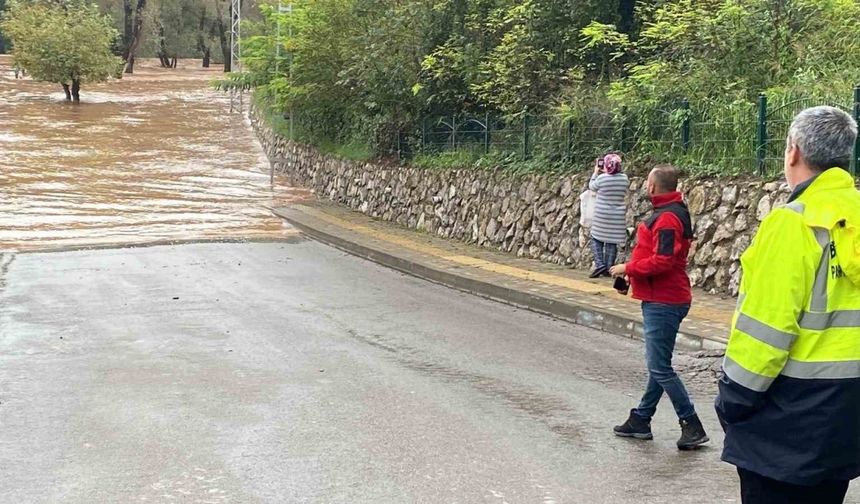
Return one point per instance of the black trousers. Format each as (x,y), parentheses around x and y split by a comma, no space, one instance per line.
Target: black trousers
(756,489)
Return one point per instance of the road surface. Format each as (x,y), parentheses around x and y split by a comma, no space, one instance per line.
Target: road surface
(291,372)
(274,371)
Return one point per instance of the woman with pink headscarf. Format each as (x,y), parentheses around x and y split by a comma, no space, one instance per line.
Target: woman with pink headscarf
(609,225)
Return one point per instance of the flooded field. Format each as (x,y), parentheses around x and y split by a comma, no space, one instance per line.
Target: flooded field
(153,157)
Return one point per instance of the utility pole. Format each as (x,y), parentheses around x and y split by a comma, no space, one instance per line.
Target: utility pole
(278,41)
(291,67)
(281,10)
(236,97)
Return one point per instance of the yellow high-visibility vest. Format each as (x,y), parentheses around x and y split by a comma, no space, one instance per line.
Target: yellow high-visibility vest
(798,312)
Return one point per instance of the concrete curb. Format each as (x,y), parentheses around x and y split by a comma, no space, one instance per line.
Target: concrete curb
(587,316)
(149,244)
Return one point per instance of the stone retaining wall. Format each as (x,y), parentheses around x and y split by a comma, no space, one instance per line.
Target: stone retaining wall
(533,216)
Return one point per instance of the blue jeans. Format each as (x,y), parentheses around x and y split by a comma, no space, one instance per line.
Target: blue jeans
(604,253)
(661,328)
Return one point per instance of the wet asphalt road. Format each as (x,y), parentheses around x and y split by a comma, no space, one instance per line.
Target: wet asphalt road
(293,373)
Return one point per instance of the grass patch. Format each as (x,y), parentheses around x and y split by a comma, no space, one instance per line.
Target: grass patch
(447,160)
(494,160)
(355,150)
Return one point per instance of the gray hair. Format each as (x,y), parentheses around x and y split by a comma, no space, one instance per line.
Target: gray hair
(825,137)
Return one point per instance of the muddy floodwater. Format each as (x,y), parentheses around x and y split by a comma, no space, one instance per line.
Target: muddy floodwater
(153,157)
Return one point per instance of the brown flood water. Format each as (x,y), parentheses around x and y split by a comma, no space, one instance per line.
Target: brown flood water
(152,157)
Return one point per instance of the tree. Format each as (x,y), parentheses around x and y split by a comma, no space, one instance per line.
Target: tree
(203,37)
(222,29)
(127,27)
(135,37)
(182,29)
(3,42)
(68,44)
(367,70)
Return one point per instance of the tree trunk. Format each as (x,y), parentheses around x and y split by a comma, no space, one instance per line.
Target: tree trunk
(627,16)
(127,27)
(76,91)
(136,35)
(68,92)
(162,48)
(202,46)
(222,36)
(777,11)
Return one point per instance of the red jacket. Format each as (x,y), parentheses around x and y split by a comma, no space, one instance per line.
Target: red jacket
(658,266)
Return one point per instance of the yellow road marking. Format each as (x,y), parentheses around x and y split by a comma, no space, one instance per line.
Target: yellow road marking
(403,242)
(697,311)
(702,312)
(568,283)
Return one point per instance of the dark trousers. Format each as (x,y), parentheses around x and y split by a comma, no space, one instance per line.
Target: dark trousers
(605,253)
(756,489)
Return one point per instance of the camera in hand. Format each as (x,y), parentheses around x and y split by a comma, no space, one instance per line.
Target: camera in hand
(621,285)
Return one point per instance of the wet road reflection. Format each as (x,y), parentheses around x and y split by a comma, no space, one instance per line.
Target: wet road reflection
(153,157)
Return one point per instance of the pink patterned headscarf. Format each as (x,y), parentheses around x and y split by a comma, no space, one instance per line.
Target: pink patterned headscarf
(612,164)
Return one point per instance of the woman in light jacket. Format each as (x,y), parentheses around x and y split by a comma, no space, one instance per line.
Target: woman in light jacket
(609,226)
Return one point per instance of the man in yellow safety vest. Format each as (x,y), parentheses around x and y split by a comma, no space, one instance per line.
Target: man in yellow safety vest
(789,396)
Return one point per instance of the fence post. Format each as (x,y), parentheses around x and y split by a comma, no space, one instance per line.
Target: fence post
(453,132)
(761,134)
(487,133)
(399,146)
(854,158)
(685,126)
(622,144)
(423,135)
(404,151)
(569,152)
(525,136)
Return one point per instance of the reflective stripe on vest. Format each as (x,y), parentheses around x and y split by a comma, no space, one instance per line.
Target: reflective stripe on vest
(832,370)
(764,332)
(745,377)
(834,319)
(819,290)
(819,319)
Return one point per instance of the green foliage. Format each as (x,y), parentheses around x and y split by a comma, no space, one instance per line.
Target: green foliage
(736,49)
(62,43)
(173,28)
(355,150)
(365,71)
(450,159)
(720,55)
(3,42)
(494,160)
(517,75)
(604,50)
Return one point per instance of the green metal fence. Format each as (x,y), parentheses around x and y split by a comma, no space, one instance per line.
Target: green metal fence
(743,138)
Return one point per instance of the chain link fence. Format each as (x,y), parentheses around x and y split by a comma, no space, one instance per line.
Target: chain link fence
(741,138)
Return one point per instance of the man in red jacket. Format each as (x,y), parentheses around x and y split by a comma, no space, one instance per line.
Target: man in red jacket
(658,276)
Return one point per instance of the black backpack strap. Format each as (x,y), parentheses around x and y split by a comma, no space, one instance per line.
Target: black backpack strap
(681,212)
